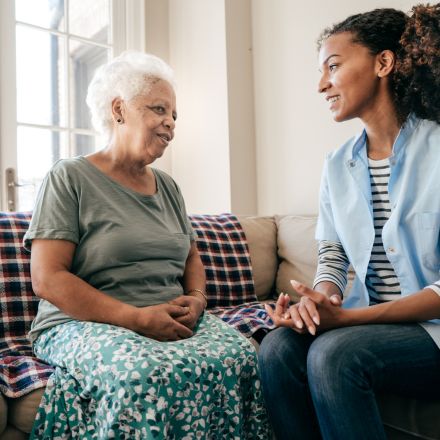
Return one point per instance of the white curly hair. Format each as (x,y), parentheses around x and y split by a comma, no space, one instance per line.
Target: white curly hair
(128,75)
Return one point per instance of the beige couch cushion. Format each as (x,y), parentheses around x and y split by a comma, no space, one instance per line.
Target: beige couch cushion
(298,251)
(410,416)
(3,413)
(22,410)
(261,236)
(12,433)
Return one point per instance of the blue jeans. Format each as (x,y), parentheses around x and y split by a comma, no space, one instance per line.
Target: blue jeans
(324,386)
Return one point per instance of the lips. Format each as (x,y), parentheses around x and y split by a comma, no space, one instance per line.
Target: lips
(165,137)
(332,100)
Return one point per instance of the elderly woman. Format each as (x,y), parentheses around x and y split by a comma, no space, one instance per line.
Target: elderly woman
(115,264)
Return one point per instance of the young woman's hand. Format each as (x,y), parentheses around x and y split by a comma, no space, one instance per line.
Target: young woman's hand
(160,322)
(304,316)
(196,307)
(315,309)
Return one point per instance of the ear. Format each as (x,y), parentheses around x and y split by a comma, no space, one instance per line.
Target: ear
(118,109)
(385,62)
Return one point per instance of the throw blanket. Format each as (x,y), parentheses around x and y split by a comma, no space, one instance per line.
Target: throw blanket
(223,248)
(246,318)
(20,371)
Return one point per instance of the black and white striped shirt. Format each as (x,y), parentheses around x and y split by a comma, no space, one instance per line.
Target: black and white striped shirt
(381,280)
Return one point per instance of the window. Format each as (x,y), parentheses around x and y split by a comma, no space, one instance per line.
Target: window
(53,48)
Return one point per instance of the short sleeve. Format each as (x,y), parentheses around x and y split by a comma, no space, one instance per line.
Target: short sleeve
(325,229)
(55,214)
(188,227)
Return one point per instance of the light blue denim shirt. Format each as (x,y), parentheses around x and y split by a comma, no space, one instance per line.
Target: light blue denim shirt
(411,236)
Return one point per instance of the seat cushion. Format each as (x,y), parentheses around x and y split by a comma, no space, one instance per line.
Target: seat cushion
(12,433)
(410,416)
(22,410)
(3,413)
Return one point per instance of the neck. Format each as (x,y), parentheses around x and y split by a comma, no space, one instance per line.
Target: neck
(119,160)
(122,157)
(382,128)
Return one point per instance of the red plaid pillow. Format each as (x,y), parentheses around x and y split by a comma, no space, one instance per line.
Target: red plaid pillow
(224,252)
(20,371)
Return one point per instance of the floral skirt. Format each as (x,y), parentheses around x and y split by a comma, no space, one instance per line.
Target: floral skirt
(110,382)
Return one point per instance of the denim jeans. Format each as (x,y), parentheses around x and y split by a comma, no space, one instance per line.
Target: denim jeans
(324,386)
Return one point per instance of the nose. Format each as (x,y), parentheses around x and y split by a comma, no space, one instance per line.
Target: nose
(324,83)
(169,122)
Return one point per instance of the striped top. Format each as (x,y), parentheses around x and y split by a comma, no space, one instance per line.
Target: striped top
(381,280)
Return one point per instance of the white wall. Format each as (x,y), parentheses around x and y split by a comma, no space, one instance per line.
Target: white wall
(241,112)
(157,42)
(209,45)
(294,129)
(200,150)
(252,132)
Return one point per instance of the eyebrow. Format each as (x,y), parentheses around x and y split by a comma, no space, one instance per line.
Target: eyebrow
(327,59)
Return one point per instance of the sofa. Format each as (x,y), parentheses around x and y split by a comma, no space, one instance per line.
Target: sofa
(280,248)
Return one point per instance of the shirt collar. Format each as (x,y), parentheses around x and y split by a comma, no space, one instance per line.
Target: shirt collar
(404,133)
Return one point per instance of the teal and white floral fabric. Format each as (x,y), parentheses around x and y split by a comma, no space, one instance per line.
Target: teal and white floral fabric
(111,383)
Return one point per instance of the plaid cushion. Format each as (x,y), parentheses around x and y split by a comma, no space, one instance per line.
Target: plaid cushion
(20,371)
(224,252)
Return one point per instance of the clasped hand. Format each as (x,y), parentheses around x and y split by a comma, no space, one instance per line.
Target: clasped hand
(170,321)
(315,310)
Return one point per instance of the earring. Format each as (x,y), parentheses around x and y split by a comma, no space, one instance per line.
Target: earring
(120,121)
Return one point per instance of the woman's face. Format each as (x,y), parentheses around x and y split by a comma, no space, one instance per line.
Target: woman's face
(149,121)
(349,79)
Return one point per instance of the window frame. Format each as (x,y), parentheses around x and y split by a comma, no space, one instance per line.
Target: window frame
(128,32)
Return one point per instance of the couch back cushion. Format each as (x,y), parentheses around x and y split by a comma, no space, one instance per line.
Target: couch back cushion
(261,235)
(298,252)
(222,245)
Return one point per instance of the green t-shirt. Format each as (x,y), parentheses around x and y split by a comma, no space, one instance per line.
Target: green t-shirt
(130,246)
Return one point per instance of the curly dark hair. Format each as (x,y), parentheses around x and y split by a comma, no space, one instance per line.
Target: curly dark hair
(377,30)
(415,39)
(417,73)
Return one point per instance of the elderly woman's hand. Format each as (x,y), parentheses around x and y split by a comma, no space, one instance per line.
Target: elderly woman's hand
(196,306)
(160,322)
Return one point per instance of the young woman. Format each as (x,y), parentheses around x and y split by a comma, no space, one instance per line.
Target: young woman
(379,212)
